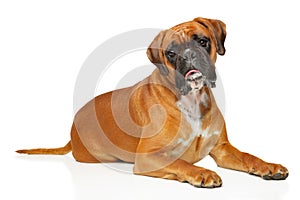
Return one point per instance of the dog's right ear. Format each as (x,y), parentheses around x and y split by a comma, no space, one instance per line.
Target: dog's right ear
(155,53)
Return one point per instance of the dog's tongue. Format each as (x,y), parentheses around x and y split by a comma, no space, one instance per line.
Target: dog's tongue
(194,79)
(191,72)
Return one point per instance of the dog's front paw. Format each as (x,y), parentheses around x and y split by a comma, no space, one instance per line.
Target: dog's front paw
(205,179)
(271,171)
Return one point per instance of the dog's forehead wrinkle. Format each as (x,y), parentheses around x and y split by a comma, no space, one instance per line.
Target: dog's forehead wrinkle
(182,35)
(188,30)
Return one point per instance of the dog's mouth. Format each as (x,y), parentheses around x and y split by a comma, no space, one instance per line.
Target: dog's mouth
(196,80)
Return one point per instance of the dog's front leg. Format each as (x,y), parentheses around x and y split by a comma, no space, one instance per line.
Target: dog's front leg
(179,169)
(227,156)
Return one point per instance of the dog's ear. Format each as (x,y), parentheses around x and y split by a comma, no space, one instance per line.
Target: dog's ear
(155,53)
(218,29)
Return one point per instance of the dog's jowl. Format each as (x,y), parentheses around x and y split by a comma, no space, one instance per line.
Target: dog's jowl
(168,121)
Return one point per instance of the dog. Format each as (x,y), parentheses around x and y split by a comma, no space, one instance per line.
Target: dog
(168,121)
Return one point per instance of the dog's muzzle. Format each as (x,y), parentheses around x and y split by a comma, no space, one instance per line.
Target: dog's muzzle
(196,80)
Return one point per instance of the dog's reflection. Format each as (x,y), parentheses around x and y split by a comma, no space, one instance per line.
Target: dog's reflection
(116,181)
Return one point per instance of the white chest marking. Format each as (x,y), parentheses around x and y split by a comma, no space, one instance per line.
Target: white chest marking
(189,105)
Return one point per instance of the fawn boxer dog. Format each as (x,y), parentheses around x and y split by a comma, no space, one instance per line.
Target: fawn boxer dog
(169,120)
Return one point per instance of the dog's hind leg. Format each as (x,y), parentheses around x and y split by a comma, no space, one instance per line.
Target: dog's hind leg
(82,154)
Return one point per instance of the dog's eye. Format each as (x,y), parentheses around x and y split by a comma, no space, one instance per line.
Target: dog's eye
(203,42)
(171,54)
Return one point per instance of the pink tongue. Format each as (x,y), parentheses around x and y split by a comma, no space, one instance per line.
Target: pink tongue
(190,73)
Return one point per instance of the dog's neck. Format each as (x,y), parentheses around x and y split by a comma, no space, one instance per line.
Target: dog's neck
(194,105)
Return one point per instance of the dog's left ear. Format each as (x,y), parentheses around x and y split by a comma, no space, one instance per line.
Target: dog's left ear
(155,53)
(218,29)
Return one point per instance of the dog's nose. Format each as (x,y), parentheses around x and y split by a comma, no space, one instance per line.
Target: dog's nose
(189,55)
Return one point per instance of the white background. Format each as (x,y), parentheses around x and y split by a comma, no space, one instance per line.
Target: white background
(43,46)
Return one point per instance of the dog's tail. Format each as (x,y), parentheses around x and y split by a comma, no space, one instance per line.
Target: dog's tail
(54,151)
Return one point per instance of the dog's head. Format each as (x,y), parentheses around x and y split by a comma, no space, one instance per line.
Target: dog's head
(190,49)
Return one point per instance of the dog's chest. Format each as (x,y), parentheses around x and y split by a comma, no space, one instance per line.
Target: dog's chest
(197,139)
(189,106)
